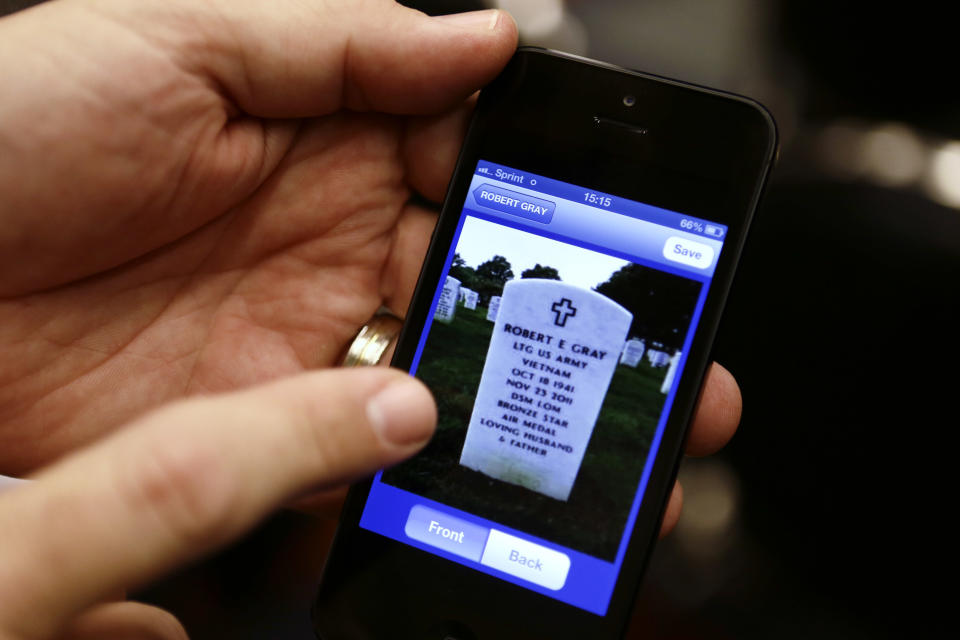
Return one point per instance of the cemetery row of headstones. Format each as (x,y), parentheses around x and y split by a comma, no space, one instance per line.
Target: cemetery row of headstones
(451,293)
(633,352)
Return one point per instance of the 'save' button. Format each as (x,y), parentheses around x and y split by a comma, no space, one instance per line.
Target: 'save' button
(526,560)
(688,252)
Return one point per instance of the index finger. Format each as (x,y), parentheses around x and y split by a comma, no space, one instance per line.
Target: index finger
(189,478)
(718,413)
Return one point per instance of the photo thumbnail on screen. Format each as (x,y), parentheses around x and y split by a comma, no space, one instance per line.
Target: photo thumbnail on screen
(550,364)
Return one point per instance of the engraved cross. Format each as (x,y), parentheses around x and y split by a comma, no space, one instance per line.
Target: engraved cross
(564,309)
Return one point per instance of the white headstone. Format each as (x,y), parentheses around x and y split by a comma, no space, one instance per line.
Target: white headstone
(472,298)
(657,358)
(553,351)
(447,304)
(492,308)
(462,294)
(671,373)
(632,352)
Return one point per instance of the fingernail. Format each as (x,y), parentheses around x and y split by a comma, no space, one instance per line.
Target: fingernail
(486,20)
(402,414)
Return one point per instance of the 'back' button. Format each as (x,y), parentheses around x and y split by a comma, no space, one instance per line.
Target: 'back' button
(524,559)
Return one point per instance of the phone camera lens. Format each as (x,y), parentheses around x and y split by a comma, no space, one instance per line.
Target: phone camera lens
(629,101)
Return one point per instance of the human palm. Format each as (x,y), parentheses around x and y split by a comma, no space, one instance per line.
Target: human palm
(174,244)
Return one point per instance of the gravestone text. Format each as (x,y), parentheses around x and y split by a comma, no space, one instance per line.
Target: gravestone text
(492,308)
(447,304)
(549,363)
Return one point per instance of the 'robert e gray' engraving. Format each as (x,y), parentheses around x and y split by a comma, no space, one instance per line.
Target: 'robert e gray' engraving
(554,349)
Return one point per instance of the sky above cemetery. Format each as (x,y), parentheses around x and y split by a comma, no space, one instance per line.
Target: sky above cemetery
(481,240)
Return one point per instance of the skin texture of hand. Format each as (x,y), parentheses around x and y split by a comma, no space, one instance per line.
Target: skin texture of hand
(199,197)
(179,482)
(166,233)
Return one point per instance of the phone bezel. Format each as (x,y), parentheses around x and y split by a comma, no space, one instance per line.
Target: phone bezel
(726,143)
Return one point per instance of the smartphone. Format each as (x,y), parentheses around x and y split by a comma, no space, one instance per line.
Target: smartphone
(563,320)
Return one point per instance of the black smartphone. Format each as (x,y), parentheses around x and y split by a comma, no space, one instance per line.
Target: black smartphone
(563,320)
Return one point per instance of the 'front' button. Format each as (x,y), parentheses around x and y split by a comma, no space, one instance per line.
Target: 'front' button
(446,532)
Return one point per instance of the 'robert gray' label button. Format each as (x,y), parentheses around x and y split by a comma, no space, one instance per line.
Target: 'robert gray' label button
(446,532)
(518,204)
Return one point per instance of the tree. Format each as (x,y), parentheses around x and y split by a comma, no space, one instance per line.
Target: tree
(542,272)
(459,270)
(496,269)
(490,278)
(662,304)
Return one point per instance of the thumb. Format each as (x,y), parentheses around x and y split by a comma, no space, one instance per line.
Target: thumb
(190,477)
(124,621)
(310,58)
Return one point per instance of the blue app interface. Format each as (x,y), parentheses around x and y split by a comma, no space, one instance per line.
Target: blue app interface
(554,344)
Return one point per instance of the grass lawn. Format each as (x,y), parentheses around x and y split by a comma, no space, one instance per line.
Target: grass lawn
(593,519)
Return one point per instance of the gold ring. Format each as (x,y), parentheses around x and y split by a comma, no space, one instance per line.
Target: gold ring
(372,341)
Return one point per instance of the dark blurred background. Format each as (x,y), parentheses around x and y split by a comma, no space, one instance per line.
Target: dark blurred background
(824,517)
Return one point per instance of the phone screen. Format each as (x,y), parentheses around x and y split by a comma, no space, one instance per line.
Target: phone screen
(554,344)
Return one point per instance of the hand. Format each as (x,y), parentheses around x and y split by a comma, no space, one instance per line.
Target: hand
(187,207)
(180,481)
(193,476)
(197,196)
(165,232)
